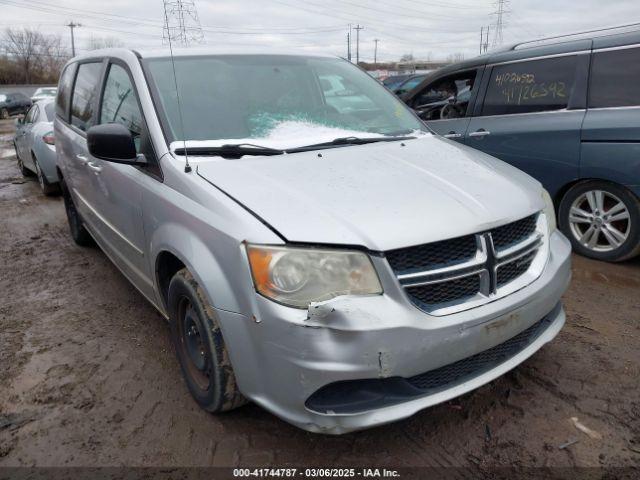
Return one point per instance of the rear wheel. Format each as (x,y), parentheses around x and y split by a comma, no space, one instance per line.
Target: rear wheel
(78,231)
(23,170)
(602,220)
(200,348)
(46,187)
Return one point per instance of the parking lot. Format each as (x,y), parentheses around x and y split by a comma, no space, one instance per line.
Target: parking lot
(89,377)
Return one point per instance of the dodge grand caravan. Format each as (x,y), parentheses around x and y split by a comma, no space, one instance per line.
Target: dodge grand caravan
(318,252)
(567,112)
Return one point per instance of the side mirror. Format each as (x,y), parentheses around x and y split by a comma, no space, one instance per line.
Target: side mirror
(113,142)
(19,120)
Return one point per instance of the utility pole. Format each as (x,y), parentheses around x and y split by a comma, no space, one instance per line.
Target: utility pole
(375,53)
(484,39)
(357,28)
(73,25)
(349,44)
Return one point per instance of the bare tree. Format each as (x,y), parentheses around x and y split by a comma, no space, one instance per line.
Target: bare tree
(31,56)
(455,57)
(96,43)
(22,46)
(407,57)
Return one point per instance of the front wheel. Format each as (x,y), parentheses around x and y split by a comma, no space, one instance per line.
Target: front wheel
(4,114)
(602,220)
(200,348)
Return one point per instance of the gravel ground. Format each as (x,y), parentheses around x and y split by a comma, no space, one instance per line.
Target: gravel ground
(88,376)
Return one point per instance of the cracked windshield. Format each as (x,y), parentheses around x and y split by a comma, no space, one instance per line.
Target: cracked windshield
(274,101)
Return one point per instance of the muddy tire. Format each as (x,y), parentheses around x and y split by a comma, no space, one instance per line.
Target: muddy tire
(602,221)
(200,348)
(4,114)
(78,231)
(49,189)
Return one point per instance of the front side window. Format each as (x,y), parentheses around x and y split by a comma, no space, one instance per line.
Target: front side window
(615,76)
(84,95)
(282,101)
(446,98)
(120,103)
(531,86)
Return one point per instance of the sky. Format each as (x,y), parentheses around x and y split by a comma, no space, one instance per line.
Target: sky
(429,29)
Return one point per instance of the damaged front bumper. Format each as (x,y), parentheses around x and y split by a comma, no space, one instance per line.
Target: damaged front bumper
(356,362)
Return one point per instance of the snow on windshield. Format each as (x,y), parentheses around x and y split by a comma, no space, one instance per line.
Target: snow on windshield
(288,134)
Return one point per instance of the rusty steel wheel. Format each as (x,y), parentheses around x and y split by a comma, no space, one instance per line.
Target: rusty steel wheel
(200,348)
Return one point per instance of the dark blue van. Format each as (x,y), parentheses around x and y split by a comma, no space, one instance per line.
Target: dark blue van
(565,111)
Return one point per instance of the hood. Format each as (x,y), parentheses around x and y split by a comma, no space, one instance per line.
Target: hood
(381,196)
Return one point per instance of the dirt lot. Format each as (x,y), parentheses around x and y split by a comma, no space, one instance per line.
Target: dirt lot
(88,376)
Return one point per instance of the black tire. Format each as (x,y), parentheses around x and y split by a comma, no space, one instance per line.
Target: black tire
(599,222)
(200,348)
(4,114)
(78,231)
(49,189)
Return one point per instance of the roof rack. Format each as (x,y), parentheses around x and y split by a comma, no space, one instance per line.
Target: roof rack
(569,35)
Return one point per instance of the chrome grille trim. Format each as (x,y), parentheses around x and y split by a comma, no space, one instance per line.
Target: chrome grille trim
(523,260)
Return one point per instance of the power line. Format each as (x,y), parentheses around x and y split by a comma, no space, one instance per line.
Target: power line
(147,23)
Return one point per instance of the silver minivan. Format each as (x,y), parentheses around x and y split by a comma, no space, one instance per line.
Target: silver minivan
(314,247)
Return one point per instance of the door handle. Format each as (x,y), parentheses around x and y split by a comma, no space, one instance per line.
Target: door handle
(94,167)
(480,133)
(82,158)
(452,135)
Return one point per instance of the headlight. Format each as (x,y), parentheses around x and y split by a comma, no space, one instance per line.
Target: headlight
(299,276)
(549,211)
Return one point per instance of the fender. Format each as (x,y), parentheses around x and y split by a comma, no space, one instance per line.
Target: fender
(201,262)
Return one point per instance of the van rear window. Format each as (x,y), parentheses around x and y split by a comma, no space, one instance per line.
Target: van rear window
(615,76)
(64,91)
(531,86)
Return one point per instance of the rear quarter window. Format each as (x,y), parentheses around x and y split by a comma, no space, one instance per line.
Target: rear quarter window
(615,76)
(531,86)
(64,90)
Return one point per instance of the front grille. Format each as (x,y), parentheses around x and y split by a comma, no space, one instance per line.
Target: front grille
(512,270)
(458,372)
(432,255)
(512,233)
(450,273)
(445,292)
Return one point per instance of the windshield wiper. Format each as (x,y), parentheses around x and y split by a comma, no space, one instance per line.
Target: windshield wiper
(343,141)
(233,151)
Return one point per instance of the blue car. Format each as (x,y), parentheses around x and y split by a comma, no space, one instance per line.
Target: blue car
(567,112)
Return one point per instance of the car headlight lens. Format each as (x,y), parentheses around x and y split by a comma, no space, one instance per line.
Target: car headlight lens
(298,276)
(549,211)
